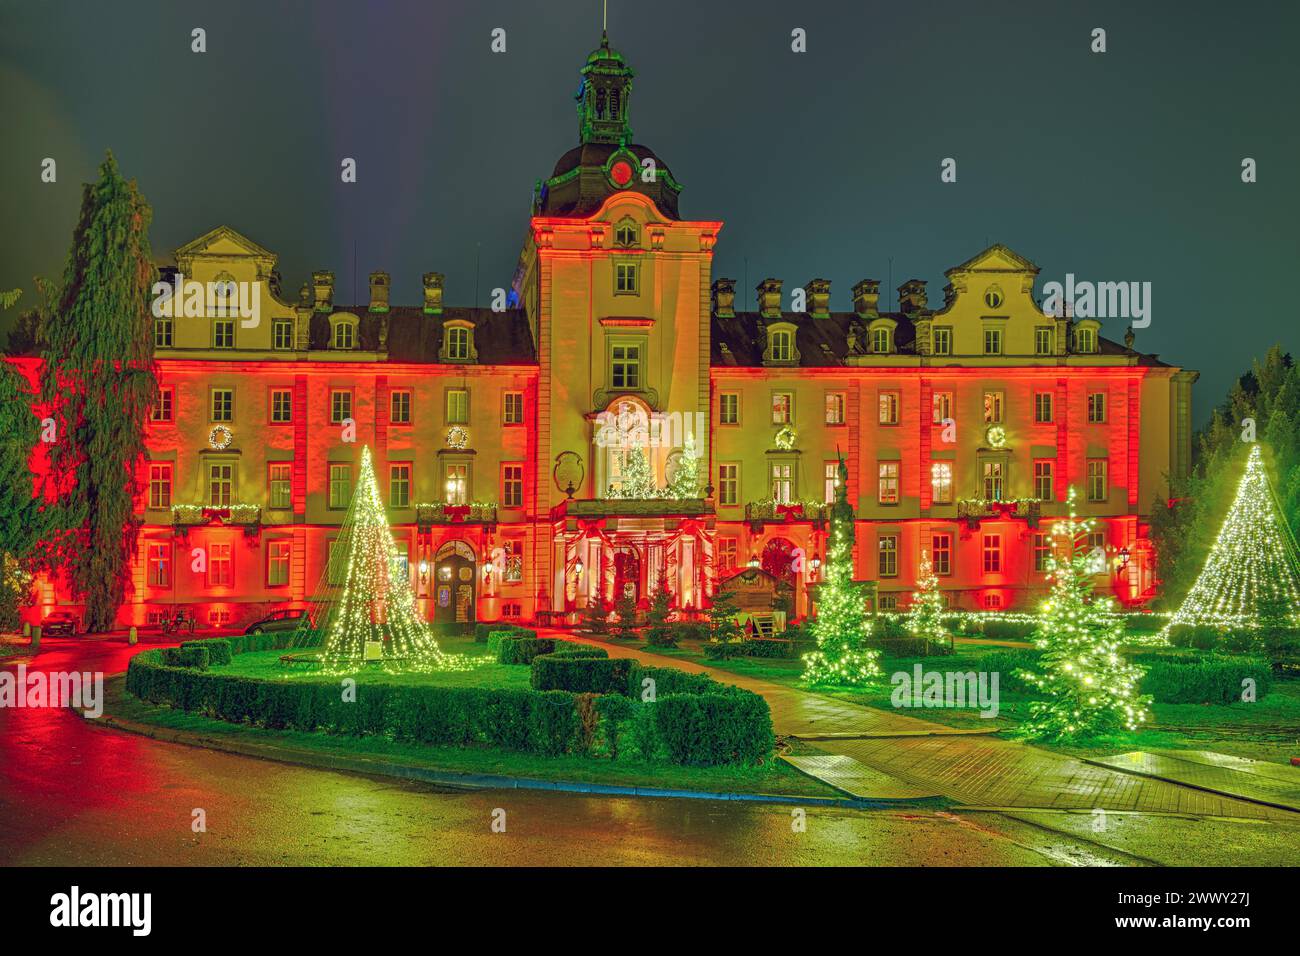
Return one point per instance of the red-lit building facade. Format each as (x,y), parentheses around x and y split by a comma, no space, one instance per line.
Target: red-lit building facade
(499,434)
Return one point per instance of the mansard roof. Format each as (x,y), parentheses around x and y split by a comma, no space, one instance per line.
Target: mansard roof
(500,338)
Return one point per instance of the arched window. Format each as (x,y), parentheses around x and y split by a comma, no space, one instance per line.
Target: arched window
(1085,340)
(782,346)
(880,341)
(345,335)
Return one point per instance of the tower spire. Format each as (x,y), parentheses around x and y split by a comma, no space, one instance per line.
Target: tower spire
(604,93)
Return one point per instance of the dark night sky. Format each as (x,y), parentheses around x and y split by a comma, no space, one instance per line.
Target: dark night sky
(1123,166)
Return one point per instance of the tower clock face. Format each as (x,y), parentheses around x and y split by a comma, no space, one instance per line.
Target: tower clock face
(996,436)
(621,173)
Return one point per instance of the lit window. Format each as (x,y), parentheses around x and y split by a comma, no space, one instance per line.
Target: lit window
(992,341)
(399,407)
(456,484)
(992,475)
(458,343)
(514,561)
(223,404)
(728,484)
(782,482)
(162,408)
(1097,490)
(729,408)
(512,486)
(345,335)
(888,408)
(942,407)
(887,551)
(1044,340)
(941,553)
(888,474)
(1043,407)
(782,407)
(1096,408)
(992,554)
(832,481)
(223,334)
(941,482)
(625,278)
(277,563)
(993,408)
(1044,480)
(399,485)
(514,409)
(281,406)
(1042,550)
(782,345)
(834,408)
(457,406)
(280,479)
(625,366)
(221,482)
(340,406)
(282,334)
(160,485)
(941,340)
(340,486)
(160,566)
(220,564)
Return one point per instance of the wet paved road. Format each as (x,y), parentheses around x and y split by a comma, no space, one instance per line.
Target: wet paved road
(74,794)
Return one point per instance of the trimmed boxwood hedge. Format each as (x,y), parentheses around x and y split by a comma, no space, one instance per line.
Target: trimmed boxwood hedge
(483,630)
(581,675)
(1185,679)
(708,729)
(218,648)
(522,650)
(572,649)
(187,655)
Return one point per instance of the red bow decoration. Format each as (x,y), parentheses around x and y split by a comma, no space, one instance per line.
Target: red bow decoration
(456,512)
(790,511)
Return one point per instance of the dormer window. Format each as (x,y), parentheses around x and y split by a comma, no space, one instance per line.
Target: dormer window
(880,341)
(458,342)
(625,234)
(1085,339)
(345,335)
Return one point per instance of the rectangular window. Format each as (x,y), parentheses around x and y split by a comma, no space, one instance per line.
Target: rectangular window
(282,334)
(340,486)
(782,482)
(941,338)
(782,407)
(991,472)
(277,563)
(834,408)
(888,472)
(514,561)
(512,486)
(1042,550)
(221,572)
(992,341)
(994,408)
(402,560)
(399,485)
(513,414)
(162,409)
(399,406)
(1096,408)
(832,480)
(456,483)
(1044,479)
(281,406)
(160,565)
(992,554)
(223,333)
(887,555)
(1097,490)
(458,343)
(1043,407)
(340,405)
(729,408)
(941,553)
(782,347)
(888,408)
(728,484)
(160,485)
(625,366)
(727,554)
(162,333)
(1044,340)
(345,334)
(223,404)
(457,406)
(942,407)
(221,485)
(280,482)
(1096,542)
(625,278)
(889,602)
(941,482)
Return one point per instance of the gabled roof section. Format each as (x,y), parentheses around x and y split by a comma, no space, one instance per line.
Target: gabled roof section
(224,240)
(996,258)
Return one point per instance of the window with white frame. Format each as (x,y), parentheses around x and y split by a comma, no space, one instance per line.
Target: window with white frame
(887,555)
(887,408)
(221,484)
(834,408)
(941,482)
(1097,486)
(340,485)
(782,482)
(728,484)
(941,553)
(992,553)
(888,478)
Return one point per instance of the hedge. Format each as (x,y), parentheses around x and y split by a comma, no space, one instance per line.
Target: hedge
(219,649)
(708,729)
(522,650)
(1174,679)
(581,675)
(572,649)
(483,630)
(768,647)
(187,655)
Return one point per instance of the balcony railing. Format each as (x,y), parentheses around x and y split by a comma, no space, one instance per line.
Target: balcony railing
(975,509)
(631,508)
(248,517)
(442,512)
(778,511)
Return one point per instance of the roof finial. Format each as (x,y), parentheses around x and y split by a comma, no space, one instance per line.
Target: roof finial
(604,23)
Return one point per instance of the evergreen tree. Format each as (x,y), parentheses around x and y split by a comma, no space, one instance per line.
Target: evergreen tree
(19,508)
(636,480)
(725,634)
(595,618)
(98,377)
(625,610)
(925,616)
(659,632)
(1091,689)
(686,479)
(841,627)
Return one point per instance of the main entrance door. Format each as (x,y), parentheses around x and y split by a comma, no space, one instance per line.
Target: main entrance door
(627,572)
(455,582)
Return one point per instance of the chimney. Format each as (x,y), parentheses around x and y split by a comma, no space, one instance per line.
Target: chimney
(818,292)
(724,298)
(866,298)
(911,296)
(433,292)
(379,291)
(323,282)
(769,298)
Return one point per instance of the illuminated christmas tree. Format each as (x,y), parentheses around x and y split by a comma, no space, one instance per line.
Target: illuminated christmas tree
(365,608)
(636,480)
(1091,689)
(925,616)
(841,626)
(686,478)
(1251,576)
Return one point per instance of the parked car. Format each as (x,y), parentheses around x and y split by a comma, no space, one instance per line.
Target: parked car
(286,619)
(61,624)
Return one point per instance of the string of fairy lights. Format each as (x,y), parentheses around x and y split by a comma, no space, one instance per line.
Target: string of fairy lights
(925,616)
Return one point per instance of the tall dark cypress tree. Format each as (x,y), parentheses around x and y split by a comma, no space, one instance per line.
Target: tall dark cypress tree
(98,377)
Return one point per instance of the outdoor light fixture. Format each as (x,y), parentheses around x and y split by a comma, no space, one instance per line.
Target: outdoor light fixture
(753,562)
(577,567)
(424,571)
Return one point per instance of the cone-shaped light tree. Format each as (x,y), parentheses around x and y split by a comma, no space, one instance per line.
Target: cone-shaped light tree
(1090,688)
(365,606)
(1251,576)
(841,626)
(925,616)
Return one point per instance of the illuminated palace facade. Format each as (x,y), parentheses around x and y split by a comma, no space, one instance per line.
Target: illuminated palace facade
(499,435)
